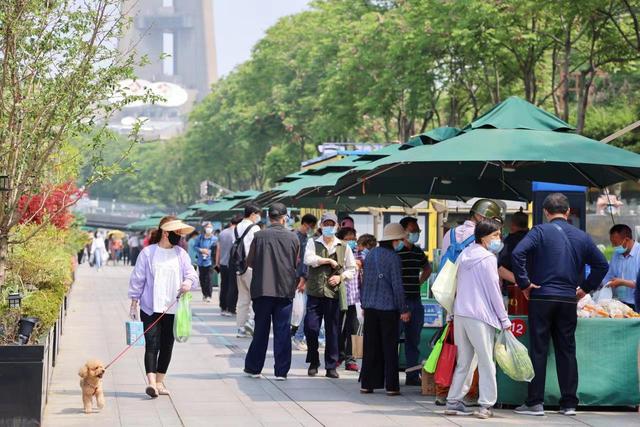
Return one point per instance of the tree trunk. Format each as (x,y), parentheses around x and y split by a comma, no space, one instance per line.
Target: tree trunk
(586,79)
(4,253)
(565,77)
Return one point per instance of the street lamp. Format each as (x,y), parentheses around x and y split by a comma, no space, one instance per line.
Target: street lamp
(4,183)
(15,300)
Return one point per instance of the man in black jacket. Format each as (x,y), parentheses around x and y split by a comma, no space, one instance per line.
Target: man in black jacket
(273,256)
(553,280)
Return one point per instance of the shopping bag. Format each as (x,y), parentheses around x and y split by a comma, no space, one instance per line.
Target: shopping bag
(134,329)
(182,320)
(432,361)
(357,344)
(428,384)
(444,287)
(446,361)
(513,357)
(297,310)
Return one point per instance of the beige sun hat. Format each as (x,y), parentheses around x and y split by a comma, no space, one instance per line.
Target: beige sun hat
(177,226)
(393,231)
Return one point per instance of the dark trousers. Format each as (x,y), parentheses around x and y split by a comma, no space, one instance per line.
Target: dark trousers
(412,333)
(556,320)
(135,251)
(348,327)
(205,280)
(380,346)
(228,289)
(270,310)
(329,310)
(158,342)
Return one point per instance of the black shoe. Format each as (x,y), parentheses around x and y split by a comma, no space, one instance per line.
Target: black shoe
(332,373)
(413,382)
(313,371)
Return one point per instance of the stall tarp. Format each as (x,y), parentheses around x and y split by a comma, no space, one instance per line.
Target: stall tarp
(607,352)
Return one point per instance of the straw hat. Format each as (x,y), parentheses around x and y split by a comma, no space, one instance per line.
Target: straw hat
(177,226)
(393,231)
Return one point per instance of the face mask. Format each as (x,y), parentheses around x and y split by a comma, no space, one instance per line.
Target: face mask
(414,237)
(174,238)
(365,252)
(495,246)
(620,250)
(258,219)
(399,247)
(208,230)
(352,244)
(328,231)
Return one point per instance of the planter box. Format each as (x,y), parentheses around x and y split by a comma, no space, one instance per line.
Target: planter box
(25,372)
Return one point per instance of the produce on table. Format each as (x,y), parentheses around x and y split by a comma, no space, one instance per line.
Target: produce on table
(608,308)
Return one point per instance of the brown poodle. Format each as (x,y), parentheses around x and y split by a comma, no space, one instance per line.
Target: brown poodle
(91,384)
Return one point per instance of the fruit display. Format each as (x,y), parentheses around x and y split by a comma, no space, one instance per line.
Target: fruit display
(607,308)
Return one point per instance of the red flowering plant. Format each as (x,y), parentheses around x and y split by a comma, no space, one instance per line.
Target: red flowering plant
(51,205)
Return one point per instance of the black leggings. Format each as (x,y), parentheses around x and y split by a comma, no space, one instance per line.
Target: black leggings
(158,342)
(205,280)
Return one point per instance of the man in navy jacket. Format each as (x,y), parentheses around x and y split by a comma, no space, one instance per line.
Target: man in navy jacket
(553,280)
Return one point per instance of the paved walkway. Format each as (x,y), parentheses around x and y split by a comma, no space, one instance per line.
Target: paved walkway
(207,384)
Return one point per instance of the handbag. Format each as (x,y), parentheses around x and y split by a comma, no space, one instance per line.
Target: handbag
(447,361)
(445,285)
(357,344)
(432,361)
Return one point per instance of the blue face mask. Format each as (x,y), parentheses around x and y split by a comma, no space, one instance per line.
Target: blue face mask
(620,250)
(414,237)
(495,246)
(400,246)
(365,252)
(352,244)
(328,231)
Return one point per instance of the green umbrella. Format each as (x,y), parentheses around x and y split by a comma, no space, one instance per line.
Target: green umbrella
(434,136)
(150,222)
(225,207)
(503,151)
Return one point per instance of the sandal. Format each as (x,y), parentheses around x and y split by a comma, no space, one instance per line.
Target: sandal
(162,390)
(151,391)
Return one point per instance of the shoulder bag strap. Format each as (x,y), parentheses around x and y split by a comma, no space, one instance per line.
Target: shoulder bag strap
(567,242)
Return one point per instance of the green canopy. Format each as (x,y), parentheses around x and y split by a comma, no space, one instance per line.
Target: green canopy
(225,207)
(151,221)
(503,151)
(434,136)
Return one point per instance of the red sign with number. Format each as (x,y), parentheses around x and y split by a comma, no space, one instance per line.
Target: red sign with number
(518,327)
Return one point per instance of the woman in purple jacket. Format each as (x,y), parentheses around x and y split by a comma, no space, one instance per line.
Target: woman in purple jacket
(163,271)
(478,312)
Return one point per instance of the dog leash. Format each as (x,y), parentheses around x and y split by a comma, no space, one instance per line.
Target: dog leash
(127,348)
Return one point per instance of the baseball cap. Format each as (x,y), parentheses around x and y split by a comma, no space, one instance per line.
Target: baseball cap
(277,210)
(329,216)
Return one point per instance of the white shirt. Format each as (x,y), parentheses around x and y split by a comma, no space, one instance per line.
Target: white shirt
(249,237)
(166,284)
(313,260)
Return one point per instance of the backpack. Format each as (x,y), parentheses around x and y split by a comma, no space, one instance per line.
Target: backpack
(238,256)
(455,249)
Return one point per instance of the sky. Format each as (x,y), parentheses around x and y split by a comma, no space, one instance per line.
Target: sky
(239,24)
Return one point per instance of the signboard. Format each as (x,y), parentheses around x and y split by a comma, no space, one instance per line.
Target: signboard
(433,315)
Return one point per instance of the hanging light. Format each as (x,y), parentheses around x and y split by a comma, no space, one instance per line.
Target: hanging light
(508,169)
(15,300)
(446,181)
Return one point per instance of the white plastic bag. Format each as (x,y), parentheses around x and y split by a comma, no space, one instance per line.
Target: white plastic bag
(359,313)
(445,285)
(604,293)
(297,311)
(513,357)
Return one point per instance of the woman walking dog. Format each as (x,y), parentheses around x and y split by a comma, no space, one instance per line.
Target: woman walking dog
(162,272)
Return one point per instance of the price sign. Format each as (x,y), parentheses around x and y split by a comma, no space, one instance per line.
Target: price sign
(518,327)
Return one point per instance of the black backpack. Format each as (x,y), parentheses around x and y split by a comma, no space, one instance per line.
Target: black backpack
(238,256)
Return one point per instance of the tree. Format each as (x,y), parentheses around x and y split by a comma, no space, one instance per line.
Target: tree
(59,72)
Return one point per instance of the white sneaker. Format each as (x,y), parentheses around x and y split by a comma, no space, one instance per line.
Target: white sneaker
(299,344)
(242,334)
(226,314)
(281,378)
(249,326)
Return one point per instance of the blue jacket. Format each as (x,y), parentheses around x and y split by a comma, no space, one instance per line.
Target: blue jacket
(557,265)
(382,281)
(210,243)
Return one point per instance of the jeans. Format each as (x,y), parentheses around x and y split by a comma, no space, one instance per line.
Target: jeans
(556,320)
(158,342)
(412,332)
(319,309)
(277,311)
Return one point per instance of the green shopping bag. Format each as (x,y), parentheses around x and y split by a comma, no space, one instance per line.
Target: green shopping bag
(182,320)
(432,361)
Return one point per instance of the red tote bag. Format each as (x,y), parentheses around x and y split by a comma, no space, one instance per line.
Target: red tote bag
(447,361)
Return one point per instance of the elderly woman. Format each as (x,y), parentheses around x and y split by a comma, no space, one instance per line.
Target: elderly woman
(163,272)
(478,312)
(384,307)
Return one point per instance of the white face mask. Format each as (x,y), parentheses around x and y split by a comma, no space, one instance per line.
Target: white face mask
(208,230)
